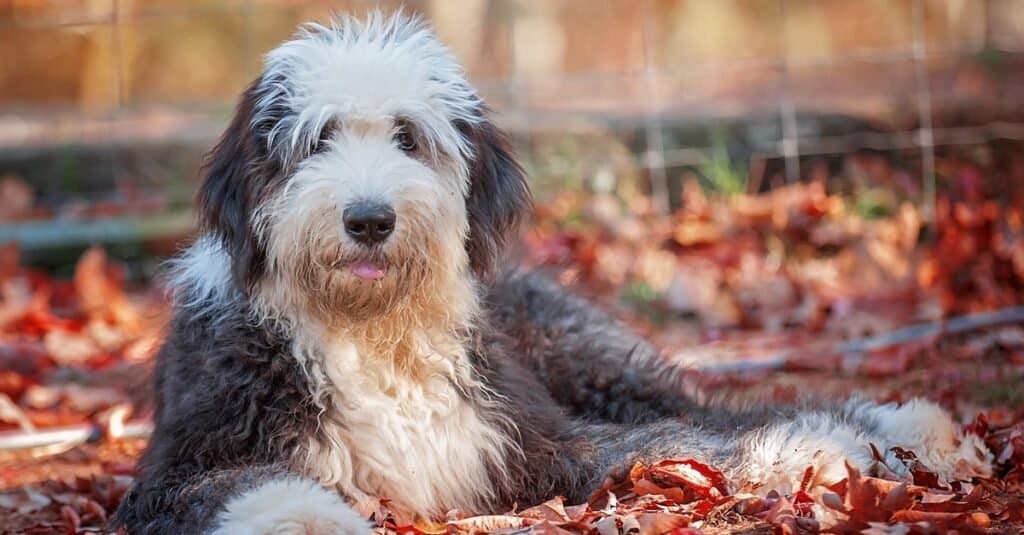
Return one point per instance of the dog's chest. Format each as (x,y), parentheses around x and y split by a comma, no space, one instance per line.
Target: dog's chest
(418,443)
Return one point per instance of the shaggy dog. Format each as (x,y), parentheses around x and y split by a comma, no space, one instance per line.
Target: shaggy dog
(343,327)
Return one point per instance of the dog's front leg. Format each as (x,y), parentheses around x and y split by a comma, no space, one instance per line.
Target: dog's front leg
(242,501)
(289,505)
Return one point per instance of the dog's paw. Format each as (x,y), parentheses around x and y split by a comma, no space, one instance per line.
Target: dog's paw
(780,456)
(928,431)
(290,506)
(869,437)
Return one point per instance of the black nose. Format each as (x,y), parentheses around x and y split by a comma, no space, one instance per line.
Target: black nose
(368,223)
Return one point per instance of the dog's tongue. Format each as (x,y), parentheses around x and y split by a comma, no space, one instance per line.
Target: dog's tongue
(367,270)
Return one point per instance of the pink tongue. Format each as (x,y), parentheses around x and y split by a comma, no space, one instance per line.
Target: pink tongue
(367,270)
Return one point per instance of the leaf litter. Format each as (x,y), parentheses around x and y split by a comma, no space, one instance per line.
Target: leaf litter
(761,295)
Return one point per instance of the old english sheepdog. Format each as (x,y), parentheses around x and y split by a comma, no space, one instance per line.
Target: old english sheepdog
(345,328)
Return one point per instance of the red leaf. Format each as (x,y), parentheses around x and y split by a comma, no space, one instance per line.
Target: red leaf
(691,474)
(646,487)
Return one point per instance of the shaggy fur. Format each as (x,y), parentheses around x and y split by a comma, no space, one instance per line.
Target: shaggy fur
(308,366)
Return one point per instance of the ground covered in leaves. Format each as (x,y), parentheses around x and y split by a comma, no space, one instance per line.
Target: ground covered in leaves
(774,296)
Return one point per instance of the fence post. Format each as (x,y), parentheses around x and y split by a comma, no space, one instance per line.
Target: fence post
(925,134)
(654,156)
(787,109)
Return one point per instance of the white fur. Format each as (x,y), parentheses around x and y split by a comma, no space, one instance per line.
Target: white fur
(363,78)
(363,163)
(926,429)
(417,442)
(384,67)
(201,276)
(290,506)
(778,456)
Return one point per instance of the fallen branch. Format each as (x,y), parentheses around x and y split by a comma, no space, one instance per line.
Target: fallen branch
(60,439)
(957,325)
(852,348)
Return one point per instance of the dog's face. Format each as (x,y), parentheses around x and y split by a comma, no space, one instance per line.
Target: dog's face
(360,169)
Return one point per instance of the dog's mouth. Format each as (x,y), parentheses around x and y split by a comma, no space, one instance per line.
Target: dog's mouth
(368,269)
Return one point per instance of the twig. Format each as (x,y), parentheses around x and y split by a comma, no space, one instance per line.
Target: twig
(61,439)
(955,325)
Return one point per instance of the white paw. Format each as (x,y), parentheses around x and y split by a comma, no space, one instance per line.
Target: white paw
(929,431)
(779,456)
(290,506)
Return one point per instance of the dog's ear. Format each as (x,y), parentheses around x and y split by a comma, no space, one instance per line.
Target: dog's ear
(499,198)
(236,174)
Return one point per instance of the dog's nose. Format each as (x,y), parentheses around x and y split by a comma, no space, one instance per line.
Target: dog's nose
(368,223)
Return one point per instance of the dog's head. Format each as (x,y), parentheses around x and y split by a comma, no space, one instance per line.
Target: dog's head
(359,169)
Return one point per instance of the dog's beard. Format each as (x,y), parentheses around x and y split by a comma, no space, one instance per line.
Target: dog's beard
(328,278)
(407,281)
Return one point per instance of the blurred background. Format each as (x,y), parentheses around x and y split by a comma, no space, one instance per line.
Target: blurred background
(788,196)
(839,167)
(107,105)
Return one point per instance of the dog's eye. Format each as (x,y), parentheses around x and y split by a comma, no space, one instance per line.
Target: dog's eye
(404,138)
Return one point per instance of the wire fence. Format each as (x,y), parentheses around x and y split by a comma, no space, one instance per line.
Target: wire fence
(790,148)
(642,90)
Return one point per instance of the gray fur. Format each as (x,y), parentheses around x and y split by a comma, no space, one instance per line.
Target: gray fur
(587,399)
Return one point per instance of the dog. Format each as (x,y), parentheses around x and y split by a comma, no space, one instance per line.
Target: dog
(346,326)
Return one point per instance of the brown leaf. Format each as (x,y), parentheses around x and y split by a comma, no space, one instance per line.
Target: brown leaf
(657,523)
(553,510)
(898,498)
(645,487)
(925,516)
(100,291)
(545,527)
(71,518)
